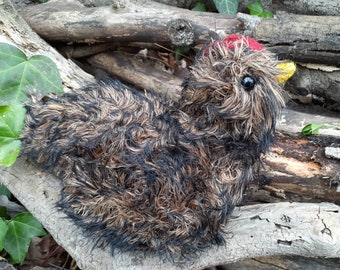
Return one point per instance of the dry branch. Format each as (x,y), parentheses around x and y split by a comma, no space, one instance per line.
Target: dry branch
(302,38)
(286,228)
(134,71)
(305,7)
(318,80)
(300,171)
(298,37)
(313,7)
(143,21)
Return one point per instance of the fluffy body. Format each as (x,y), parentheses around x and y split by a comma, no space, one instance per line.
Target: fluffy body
(141,173)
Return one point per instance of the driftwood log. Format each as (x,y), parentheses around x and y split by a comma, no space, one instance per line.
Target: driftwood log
(299,170)
(301,38)
(143,21)
(314,7)
(259,230)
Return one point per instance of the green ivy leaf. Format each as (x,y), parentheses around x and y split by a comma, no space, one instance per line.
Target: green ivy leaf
(3,231)
(312,129)
(9,152)
(256,8)
(12,120)
(21,229)
(3,213)
(266,14)
(199,7)
(20,76)
(226,6)
(5,191)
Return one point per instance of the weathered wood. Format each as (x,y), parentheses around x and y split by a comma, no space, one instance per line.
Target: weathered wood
(260,230)
(318,80)
(311,7)
(143,21)
(299,171)
(284,262)
(143,75)
(303,7)
(298,37)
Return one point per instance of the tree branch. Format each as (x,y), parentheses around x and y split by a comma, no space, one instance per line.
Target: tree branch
(143,21)
(261,230)
(302,38)
(299,37)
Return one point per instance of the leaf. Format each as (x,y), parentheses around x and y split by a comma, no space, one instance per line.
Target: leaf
(181,52)
(3,214)
(9,152)
(4,191)
(21,229)
(3,231)
(311,129)
(287,69)
(256,8)
(12,120)
(20,75)
(226,6)
(199,7)
(266,14)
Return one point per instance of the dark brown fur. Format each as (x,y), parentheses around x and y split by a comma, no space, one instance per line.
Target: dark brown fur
(141,173)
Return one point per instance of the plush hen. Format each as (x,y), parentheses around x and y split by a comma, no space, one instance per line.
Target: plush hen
(141,173)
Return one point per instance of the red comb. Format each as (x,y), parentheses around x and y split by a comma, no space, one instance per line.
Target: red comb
(230,41)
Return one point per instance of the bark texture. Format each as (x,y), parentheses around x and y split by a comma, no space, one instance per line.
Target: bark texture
(143,21)
(135,71)
(306,7)
(301,38)
(298,37)
(311,7)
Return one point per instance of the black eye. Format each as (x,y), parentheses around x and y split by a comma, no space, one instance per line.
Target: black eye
(248,83)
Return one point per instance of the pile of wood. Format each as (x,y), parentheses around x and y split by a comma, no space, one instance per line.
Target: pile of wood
(311,41)
(136,41)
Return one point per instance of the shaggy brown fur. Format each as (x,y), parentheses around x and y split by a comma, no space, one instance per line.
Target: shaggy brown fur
(142,173)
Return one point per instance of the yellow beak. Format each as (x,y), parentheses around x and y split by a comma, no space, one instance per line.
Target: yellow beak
(288,69)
